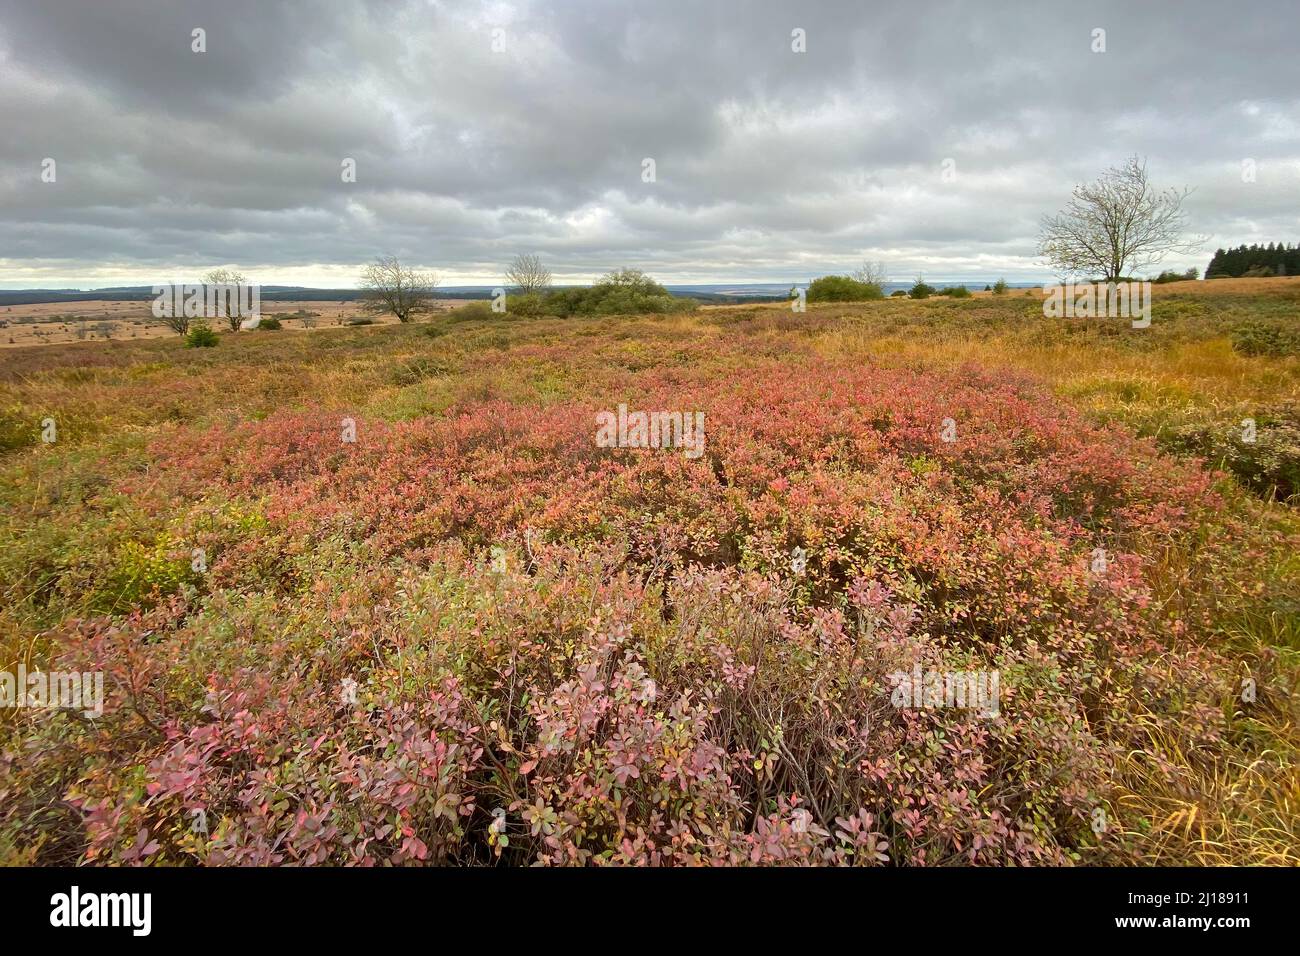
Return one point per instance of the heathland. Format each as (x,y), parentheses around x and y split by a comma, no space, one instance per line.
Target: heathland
(375,594)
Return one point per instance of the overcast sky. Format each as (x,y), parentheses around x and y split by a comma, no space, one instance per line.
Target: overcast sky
(770,164)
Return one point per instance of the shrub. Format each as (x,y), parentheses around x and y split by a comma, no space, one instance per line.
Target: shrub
(269,323)
(644,678)
(1262,338)
(631,279)
(361,321)
(200,337)
(920,290)
(623,690)
(624,292)
(842,289)
(16,433)
(898,293)
(473,311)
(1268,466)
(1000,287)
(956,292)
(417,370)
(1170,276)
(527,305)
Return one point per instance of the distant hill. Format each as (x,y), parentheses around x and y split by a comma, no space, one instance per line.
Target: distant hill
(144,293)
(731,293)
(291,293)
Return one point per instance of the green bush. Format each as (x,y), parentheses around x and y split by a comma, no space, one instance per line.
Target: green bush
(843,289)
(625,292)
(361,321)
(200,337)
(1269,466)
(1000,287)
(956,292)
(470,311)
(1260,338)
(527,304)
(920,290)
(270,323)
(898,293)
(15,432)
(142,573)
(1170,276)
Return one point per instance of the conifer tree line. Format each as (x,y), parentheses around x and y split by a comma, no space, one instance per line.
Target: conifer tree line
(1273,259)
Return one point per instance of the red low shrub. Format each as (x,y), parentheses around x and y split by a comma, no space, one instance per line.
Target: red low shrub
(652,677)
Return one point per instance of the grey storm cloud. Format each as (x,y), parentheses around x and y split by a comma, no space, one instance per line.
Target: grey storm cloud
(484,130)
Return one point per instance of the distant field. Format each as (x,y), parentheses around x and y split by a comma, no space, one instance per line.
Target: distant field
(54,323)
(473,622)
(57,323)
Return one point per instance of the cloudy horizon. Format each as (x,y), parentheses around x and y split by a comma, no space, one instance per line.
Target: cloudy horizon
(929,137)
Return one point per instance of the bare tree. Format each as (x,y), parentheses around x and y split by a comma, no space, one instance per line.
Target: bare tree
(527,274)
(1117,225)
(227,305)
(179,322)
(173,316)
(389,286)
(871,272)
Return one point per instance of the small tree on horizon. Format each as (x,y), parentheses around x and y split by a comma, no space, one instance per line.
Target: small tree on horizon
(629,278)
(1117,225)
(871,272)
(389,286)
(229,305)
(921,289)
(527,275)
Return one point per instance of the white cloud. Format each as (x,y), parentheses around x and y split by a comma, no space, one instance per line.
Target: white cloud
(771,165)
